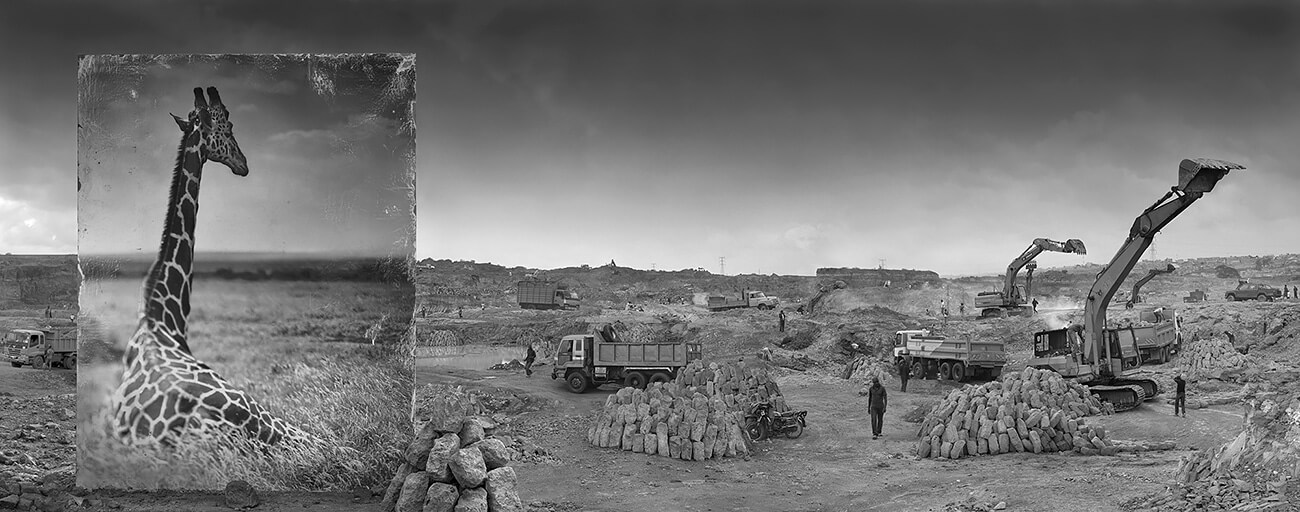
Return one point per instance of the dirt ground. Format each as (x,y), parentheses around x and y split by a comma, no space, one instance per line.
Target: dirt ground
(836,465)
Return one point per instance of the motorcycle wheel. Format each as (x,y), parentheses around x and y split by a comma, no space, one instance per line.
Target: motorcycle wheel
(794,430)
(755,430)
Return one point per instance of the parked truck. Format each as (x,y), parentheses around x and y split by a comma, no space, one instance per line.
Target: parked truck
(959,360)
(1247,291)
(1156,341)
(591,360)
(1196,296)
(747,299)
(536,294)
(36,347)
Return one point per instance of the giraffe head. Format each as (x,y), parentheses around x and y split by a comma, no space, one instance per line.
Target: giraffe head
(216,136)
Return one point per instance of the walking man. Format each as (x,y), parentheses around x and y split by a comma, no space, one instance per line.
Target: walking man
(904,371)
(782,319)
(528,361)
(876,401)
(1180,399)
(460,312)
(1035,303)
(962,308)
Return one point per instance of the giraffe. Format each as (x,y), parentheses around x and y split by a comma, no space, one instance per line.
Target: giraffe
(166,393)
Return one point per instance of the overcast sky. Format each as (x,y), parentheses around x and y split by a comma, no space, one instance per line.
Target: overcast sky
(324,140)
(785,136)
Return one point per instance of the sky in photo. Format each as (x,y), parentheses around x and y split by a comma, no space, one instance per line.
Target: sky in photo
(783,136)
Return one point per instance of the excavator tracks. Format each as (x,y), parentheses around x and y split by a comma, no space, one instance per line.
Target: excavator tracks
(1121,397)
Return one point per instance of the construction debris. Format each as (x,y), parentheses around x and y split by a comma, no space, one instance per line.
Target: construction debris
(1213,358)
(1029,411)
(455,461)
(698,416)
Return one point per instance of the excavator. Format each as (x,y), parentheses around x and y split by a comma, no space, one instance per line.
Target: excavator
(1134,298)
(1092,353)
(1013,299)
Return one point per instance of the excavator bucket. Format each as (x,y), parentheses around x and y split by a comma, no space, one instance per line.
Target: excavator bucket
(1074,245)
(1199,175)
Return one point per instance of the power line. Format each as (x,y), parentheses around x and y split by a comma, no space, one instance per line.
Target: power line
(722,265)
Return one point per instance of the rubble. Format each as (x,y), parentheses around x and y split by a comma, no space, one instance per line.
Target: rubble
(1214,358)
(1028,411)
(697,416)
(455,460)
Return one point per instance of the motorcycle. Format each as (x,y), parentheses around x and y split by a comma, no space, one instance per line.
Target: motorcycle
(762,421)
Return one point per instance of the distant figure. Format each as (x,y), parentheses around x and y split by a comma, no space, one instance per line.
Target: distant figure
(1180,398)
(49,357)
(528,361)
(904,371)
(1285,291)
(424,311)
(48,313)
(886,283)
(781,316)
(877,399)
(460,312)
(962,308)
(1035,304)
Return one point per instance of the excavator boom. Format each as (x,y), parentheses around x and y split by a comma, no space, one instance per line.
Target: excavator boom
(1134,298)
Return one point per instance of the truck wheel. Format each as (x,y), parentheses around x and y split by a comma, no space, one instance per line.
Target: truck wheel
(1263,297)
(38,362)
(635,380)
(959,372)
(578,382)
(660,377)
(944,371)
(918,370)
(70,362)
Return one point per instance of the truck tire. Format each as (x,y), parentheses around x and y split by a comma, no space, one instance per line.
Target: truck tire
(577,382)
(918,370)
(660,377)
(945,370)
(38,362)
(959,372)
(635,380)
(70,362)
(1232,296)
(1262,297)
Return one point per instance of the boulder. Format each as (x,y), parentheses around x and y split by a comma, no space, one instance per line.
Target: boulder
(501,493)
(468,467)
(414,489)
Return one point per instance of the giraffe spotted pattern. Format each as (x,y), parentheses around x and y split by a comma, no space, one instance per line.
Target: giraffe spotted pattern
(167,396)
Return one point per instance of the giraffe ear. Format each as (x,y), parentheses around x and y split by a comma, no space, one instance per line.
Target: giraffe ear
(183,123)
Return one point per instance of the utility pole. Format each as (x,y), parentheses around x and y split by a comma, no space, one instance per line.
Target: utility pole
(882,264)
(652,266)
(722,265)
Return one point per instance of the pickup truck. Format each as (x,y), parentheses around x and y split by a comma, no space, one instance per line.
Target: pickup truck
(1253,291)
(590,360)
(747,299)
(947,359)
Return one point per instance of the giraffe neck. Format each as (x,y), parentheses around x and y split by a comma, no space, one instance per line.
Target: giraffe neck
(167,289)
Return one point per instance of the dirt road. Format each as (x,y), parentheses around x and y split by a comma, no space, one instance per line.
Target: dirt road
(835,465)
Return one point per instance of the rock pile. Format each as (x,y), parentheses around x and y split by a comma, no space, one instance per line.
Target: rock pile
(455,461)
(863,368)
(697,416)
(1029,411)
(1212,358)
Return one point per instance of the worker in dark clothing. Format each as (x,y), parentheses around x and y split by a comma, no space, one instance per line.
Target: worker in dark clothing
(1180,398)
(528,360)
(460,312)
(962,309)
(1035,303)
(904,371)
(782,320)
(877,399)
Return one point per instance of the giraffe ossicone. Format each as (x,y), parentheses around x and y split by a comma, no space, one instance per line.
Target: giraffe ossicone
(167,396)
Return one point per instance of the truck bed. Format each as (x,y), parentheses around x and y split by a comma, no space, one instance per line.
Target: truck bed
(646,354)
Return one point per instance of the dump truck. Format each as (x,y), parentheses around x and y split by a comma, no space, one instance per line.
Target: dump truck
(586,361)
(36,347)
(1158,340)
(959,360)
(545,295)
(746,299)
(1093,354)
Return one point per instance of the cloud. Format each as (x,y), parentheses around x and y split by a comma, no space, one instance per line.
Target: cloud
(28,229)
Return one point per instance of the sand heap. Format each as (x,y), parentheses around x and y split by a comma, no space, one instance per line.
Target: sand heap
(1028,411)
(454,462)
(1213,358)
(697,416)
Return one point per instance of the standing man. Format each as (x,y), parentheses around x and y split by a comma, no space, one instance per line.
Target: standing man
(1035,304)
(962,308)
(876,401)
(528,361)
(782,320)
(904,371)
(1180,399)
(460,312)
(49,357)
